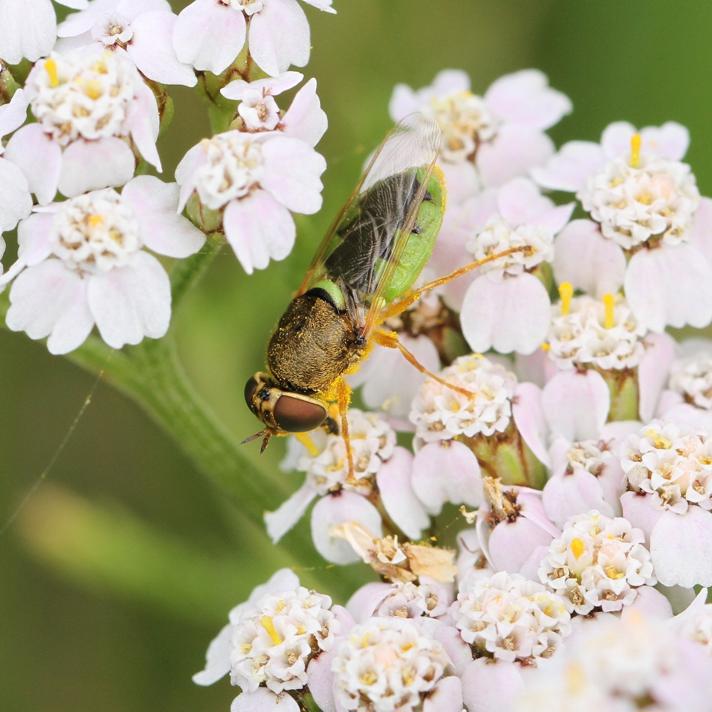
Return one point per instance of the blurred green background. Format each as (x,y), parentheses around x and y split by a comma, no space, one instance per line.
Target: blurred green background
(125,561)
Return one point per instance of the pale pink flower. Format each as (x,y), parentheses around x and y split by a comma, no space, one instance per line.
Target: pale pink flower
(304,119)
(141,28)
(83,263)
(28,28)
(506,307)
(91,106)
(257,180)
(472,562)
(210,34)
(427,598)
(644,205)
(492,138)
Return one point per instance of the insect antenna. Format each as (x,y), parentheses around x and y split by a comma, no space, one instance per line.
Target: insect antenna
(254,436)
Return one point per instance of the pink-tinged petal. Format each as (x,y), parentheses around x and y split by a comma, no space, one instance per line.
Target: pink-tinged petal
(671,140)
(615,140)
(258,229)
(536,367)
(530,568)
(162,230)
(576,404)
(569,494)
(13,115)
(570,167)
(40,159)
(511,543)
(321,681)
(685,602)
(28,29)
(286,516)
(585,258)
(653,372)
(364,602)
(144,124)
(217,659)
(132,9)
(15,198)
(279,36)
(555,219)
(239,89)
(515,151)
(209,35)
(519,201)
(403,102)
(338,509)
(445,697)
(49,300)
(530,420)
(640,511)
(151,49)
(80,23)
(649,602)
(461,180)
(458,650)
(264,700)
(131,302)
(292,171)
(491,686)
(34,237)
(671,286)
(449,81)
(532,508)
(305,119)
(323,5)
(510,314)
(446,472)
(74,4)
(185,173)
(701,232)
(681,548)
(397,495)
(525,97)
(90,165)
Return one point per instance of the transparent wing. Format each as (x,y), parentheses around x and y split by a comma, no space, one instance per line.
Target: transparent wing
(361,249)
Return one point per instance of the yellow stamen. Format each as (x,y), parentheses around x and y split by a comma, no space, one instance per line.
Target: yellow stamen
(51,68)
(577,548)
(635,150)
(545,346)
(612,572)
(609,304)
(575,678)
(566,292)
(268,624)
(95,220)
(93,89)
(308,443)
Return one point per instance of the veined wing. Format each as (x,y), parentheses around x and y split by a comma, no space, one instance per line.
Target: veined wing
(361,249)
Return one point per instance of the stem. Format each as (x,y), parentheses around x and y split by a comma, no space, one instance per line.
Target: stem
(186,273)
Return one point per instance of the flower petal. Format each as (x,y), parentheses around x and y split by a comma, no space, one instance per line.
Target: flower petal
(217,659)
(131,302)
(446,696)
(653,372)
(305,119)
(90,165)
(286,516)
(701,232)
(34,237)
(28,29)
(519,201)
(15,198)
(13,115)
(650,602)
(615,140)
(144,124)
(321,681)
(671,140)
(264,700)
(570,167)
(530,420)
(40,159)
(491,687)
(568,494)
(511,543)
(640,511)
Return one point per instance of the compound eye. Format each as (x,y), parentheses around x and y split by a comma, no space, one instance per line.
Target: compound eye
(250,389)
(295,415)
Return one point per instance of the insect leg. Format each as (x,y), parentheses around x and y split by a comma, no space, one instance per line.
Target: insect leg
(344,396)
(390,340)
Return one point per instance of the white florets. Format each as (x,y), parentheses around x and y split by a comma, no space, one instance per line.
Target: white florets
(232,167)
(581,337)
(672,465)
(593,456)
(274,639)
(499,235)
(95,232)
(83,95)
(439,413)
(698,627)
(410,600)
(249,7)
(387,665)
(511,618)
(597,563)
(372,442)
(658,199)
(691,377)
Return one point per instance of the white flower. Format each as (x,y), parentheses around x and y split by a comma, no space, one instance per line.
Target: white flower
(510,618)
(439,413)
(588,332)
(387,665)
(84,264)
(210,34)
(90,105)
(597,563)
(695,622)
(404,599)
(488,139)
(691,377)
(472,564)
(28,28)
(257,179)
(143,30)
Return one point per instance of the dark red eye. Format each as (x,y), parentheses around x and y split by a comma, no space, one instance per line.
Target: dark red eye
(250,388)
(297,416)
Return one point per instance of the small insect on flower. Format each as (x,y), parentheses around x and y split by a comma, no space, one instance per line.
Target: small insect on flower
(362,275)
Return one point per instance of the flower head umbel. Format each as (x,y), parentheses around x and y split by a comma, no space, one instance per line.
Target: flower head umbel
(92,108)
(488,139)
(210,34)
(83,263)
(143,30)
(645,207)
(597,563)
(254,181)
